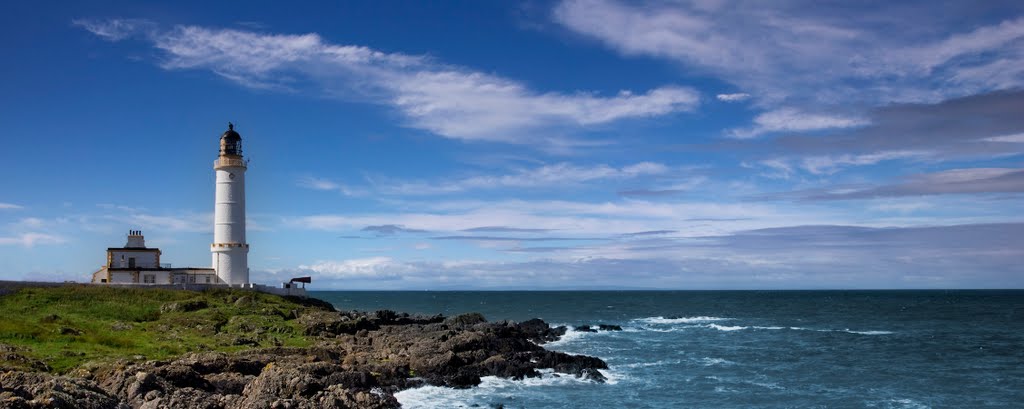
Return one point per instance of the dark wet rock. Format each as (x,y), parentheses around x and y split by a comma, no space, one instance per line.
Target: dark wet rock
(539,332)
(465,320)
(359,360)
(42,390)
(599,327)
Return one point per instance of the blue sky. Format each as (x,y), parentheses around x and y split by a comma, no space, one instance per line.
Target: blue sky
(541,145)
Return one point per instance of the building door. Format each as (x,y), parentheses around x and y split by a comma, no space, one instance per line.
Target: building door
(131,262)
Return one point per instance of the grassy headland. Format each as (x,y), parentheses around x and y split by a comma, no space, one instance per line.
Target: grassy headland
(58,328)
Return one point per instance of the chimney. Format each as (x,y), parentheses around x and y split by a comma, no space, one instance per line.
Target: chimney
(135,240)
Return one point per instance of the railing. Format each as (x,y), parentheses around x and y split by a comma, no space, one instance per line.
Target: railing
(165,265)
(225,162)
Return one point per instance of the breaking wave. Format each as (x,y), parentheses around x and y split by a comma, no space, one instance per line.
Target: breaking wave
(679,320)
(492,390)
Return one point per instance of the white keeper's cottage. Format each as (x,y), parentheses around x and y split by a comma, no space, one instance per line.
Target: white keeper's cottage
(137,264)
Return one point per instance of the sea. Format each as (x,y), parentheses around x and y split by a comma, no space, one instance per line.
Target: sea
(747,349)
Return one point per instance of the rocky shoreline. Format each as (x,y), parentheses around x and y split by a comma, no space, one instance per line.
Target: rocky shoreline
(359,360)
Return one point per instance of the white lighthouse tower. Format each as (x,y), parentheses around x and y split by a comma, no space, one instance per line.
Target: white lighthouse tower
(230,251)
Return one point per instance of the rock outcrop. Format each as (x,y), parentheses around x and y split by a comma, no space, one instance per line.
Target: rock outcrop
(359,360)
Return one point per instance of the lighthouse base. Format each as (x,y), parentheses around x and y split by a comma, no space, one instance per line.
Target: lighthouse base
(231,262)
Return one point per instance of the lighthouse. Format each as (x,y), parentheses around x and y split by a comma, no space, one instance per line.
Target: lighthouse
(229,248)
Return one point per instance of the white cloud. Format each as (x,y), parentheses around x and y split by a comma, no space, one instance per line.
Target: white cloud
(450,101)
(30,223)
(901,206)
(741,96)
(112,30)
(556,175)
(9,206)
(32,239)
(574,219)
(778,169)
(1014,138)
(786,167)
(791,257)
(318,184)
(831,164)
(372,267)
(793,120)
(965,175)
(783,50)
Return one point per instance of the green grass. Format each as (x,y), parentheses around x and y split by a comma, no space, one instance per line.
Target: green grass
(68,326)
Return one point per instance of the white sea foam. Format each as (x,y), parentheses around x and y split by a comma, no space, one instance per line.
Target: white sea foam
(680,320)
(869,332)
(491,388)
(896,404)
(715,361)
(570,335)
(650,364)
(847,330)
(725,327)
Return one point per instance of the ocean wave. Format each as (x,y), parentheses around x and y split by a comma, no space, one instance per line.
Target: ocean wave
(651,364)
(868,332)
(724,327)
(569,336)
(491,390)
(847,330)
(730,328)
(714,361)
(897,404)
(679,320)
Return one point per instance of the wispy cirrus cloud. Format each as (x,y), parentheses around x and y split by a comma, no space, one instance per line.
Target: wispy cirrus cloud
(390,229)
(450,101)
(504,229)
(558,175)
(813,256)
(735,97)
(825,53)
(10,206)
(114,29)
(786,167)
(965,181)
(792,120)
(377,268)
(32,239)
(983,125)
(954,181)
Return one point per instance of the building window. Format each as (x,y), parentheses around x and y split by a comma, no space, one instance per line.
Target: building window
(131,262)
(191,279)
(148,278)
(207,279)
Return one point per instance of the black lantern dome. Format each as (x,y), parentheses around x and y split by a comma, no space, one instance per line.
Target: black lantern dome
(231,142)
